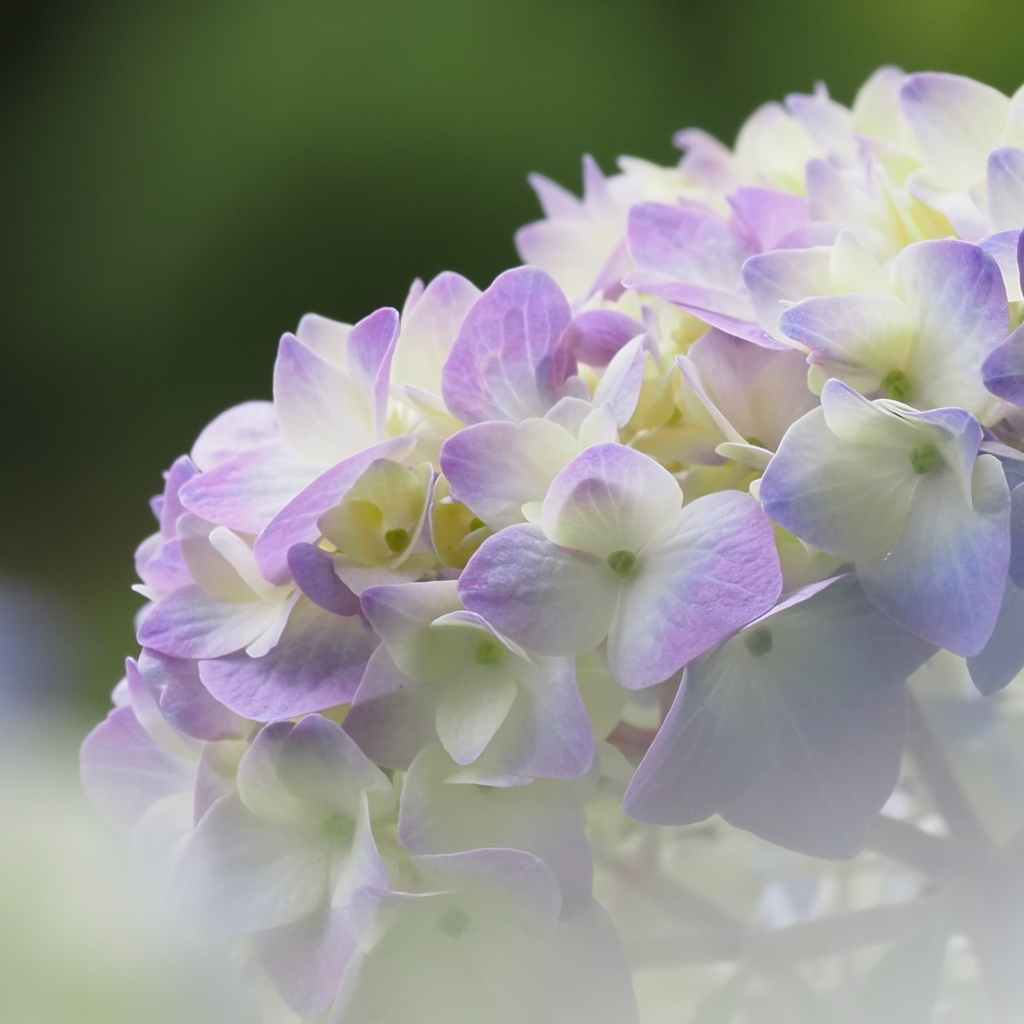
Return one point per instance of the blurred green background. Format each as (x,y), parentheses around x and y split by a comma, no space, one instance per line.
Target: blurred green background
(180,181)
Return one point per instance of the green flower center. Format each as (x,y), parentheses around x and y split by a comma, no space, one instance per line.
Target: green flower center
(924,458)
(896,385)
(338,828)
(758,640)
(396,540)
(622,563)
(453,922)
(489,652)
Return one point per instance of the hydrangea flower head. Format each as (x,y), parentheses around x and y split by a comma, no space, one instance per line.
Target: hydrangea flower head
(652,528)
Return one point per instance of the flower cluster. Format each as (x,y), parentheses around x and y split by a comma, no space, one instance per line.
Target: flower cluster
(740,444)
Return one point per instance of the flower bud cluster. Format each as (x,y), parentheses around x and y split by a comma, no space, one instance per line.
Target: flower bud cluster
(741,439)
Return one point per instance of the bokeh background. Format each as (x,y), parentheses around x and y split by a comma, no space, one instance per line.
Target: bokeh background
(181,179)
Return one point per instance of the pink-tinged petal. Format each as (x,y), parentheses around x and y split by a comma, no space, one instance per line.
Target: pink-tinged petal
(241,873)
(296,522)
(191,624)
(495,468)
(555,200)
(245,492)
(726,310)
(234,431)
(163,566)
(312,568)
(321,765)
(429,329)
(369,350)
(712,571)
(792,729)
(182,470)
(305,960)
(768,216)
(544,818)
(758,392)
(144,698)
(707,161)
(957,122)
(316,664)
(391,718)
(1005,188)
(1003,370)
(619,386)
(509,361)
(937,580)
(594,336)
(186,704)
(955,294)
(689,245)
(610,498)
(547,598)
(325,414)
(206,565)
(1002,657)
(125,772)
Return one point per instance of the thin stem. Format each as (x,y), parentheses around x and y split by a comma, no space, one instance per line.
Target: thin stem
(934,856)
(942,784)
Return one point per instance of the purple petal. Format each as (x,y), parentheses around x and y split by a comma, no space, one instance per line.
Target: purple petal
(326,415)
(189,623)
(125,772)
(937,580)
(429,329)
(1003,369)
(509,360)
(391,718)
(312,568)
(316,664)
(549,599)
(185,702)
(767,215)
(775,280)
(713,571)
(296,522)
(183,470)
(1002,657)
(594,336)
(234,431)
(321,765)
(370,347)
(495,468)
(689,245)
(245,492)
(792,729)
